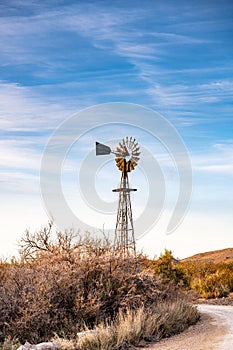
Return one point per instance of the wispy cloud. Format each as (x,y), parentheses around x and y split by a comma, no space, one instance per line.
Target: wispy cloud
(176,94)
(220,168)
(125,35)
(22,108)
(16,155)
(218,160)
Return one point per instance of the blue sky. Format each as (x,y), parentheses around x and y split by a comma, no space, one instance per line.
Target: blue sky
(58,57)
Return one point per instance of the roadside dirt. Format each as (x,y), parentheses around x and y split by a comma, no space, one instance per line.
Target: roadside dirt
(210,333)
(217,301)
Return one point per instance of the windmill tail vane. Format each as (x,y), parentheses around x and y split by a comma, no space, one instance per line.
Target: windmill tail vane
(127,157)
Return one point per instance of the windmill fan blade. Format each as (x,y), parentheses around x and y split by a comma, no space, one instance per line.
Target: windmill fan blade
(135,146)
(135,159)
(126,152)
(131,143)
(136,154)
(102,149)
(136,149)
(120,162)
(121,145)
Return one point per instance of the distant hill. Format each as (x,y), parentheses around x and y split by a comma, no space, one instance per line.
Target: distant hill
(216,256)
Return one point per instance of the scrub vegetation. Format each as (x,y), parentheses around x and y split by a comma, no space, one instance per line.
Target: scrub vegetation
(63,284)
(209,279)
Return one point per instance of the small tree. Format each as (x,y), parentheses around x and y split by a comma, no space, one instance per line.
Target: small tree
(170,270)
(164,265)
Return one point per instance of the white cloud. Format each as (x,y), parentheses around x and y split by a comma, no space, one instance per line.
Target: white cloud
(166,38)
(98,23)
(220,168)
(187,95)
(120,35)
(16,155)
(219,159)
(24,109)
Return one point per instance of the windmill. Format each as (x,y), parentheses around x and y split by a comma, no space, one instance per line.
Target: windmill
(127,156)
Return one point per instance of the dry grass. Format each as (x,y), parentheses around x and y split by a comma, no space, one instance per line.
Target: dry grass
(10,344)
(175,317)
(133,328)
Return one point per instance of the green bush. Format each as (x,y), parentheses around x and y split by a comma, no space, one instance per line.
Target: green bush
(170,270)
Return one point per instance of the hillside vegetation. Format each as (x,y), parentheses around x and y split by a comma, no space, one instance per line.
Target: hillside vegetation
(209,278)
(63,284)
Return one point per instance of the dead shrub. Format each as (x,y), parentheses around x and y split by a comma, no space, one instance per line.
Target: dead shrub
(60,286)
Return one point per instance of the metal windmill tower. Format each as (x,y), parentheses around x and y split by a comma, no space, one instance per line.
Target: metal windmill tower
(127,157)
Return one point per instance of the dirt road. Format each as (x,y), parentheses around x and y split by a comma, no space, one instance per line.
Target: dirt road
(213,332)
(222,314)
